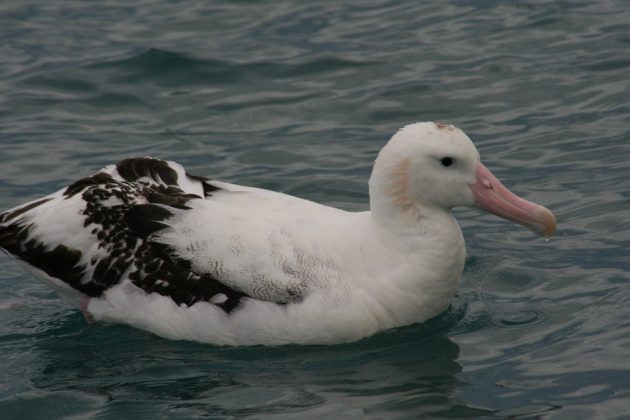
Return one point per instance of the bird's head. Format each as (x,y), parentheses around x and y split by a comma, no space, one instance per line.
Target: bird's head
(433,165)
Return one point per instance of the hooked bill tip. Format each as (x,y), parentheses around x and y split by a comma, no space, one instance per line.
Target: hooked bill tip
(548,222)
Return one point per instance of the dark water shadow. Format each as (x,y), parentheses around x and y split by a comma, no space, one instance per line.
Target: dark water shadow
(109,369)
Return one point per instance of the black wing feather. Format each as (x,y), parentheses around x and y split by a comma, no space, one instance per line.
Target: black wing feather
(123,230)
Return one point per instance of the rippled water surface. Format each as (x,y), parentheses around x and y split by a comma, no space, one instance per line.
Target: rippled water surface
(299,97)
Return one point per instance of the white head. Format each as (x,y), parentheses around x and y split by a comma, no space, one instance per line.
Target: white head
(432,166)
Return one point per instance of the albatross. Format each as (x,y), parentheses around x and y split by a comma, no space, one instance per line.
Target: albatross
(145,243)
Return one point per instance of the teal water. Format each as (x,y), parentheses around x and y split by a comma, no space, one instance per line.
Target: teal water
(299,96)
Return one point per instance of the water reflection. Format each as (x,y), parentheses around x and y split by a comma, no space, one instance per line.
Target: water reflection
(409,370)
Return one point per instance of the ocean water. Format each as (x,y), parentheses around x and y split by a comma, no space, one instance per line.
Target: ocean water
(299,96)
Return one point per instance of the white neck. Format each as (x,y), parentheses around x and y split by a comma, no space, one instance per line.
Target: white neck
(390,204)
(416,257)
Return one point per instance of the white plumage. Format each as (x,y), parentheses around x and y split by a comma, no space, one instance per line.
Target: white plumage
(144,243)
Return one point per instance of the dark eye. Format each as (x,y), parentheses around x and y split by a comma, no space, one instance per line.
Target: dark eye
(447,161)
